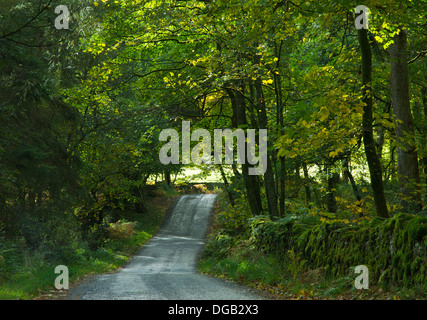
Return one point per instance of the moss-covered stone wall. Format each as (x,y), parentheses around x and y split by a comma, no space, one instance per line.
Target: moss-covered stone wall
(394,250)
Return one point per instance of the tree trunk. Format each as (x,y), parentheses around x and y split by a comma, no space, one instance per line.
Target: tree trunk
(306,184)
(269,174)
(374,164)
(227,186)
(167,177)
(349,176)
(407,159)
(332,181)
(282,194)
(280,123)
(250,181)
(424,91)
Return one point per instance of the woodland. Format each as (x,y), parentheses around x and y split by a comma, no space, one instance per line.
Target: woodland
(345,108)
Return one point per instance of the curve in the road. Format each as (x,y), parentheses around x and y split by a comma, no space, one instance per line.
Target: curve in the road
(165,268)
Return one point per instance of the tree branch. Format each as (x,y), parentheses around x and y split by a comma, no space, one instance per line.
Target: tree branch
(419,55)
(43,8)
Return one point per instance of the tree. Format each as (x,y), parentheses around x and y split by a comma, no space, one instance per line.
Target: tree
(375,168)
(407,158)
(39,169)
(390,28)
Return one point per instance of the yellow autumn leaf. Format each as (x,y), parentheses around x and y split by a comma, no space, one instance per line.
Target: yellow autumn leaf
(379,39)
(324,114)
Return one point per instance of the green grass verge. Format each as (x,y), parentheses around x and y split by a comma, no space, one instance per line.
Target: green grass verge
(279,280)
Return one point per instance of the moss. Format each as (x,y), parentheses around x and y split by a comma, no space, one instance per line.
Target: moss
(395,248)
(389,225)
(397,259)
(384,280)
(377,221)
(417,228)
(407,257)
(415,264)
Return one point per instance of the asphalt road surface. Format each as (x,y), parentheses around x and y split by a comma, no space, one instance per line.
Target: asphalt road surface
(165,268)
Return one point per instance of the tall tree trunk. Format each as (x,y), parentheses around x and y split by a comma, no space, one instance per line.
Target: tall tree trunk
(281,175)
(374,164)
(407,159)
(280,106)
(269,174)
(250,181)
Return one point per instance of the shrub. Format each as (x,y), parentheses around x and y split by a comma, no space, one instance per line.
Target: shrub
(233,218)
(121,229)
(218,247)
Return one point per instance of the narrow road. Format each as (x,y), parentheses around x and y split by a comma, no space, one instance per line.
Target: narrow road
(165,268)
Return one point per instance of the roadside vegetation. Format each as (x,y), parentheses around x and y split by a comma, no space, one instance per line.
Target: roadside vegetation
(29,274)
(292,258)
